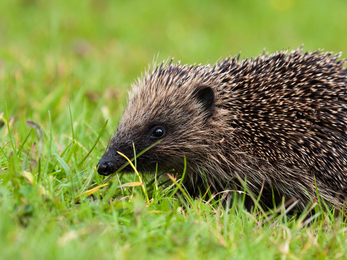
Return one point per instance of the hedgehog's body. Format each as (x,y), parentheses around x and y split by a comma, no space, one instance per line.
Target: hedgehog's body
(280,122)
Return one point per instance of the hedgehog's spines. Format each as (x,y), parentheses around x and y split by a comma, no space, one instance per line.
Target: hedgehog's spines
(278,118)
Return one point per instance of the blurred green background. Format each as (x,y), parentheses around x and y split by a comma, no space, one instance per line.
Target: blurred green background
(89,52)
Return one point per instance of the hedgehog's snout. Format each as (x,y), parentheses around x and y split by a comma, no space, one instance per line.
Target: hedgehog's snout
(106,167)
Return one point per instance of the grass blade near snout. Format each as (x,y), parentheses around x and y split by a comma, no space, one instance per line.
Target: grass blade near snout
(96,141)
(135,163)
(138,175)
(182,178)
(137,156)
(91,191)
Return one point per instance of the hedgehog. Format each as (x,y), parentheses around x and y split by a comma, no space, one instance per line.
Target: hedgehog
(274,124)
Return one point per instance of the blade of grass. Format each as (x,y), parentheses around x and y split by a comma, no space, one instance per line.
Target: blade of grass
(138,175)
(249,193)
(110,193)
(71,122)
(24,142)
(7,122)
(182,178)
(91,191)
(134,155)
(96,141)
(63,153)
(50,141)
(126,164)
(68,172)
(87,183)
(186,195)
(3,147)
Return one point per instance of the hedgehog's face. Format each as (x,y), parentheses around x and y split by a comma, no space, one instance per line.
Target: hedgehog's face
(178,121)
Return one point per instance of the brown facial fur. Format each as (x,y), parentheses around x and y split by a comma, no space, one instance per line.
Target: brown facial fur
(280,121)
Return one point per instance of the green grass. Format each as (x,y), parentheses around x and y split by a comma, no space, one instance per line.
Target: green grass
(67,65)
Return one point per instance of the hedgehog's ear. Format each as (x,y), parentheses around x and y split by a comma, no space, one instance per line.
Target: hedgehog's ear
(205,96)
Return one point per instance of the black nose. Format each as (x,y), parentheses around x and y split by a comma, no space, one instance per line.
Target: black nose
(106,167)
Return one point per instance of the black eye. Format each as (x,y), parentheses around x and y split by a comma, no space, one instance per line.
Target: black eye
(158,132)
